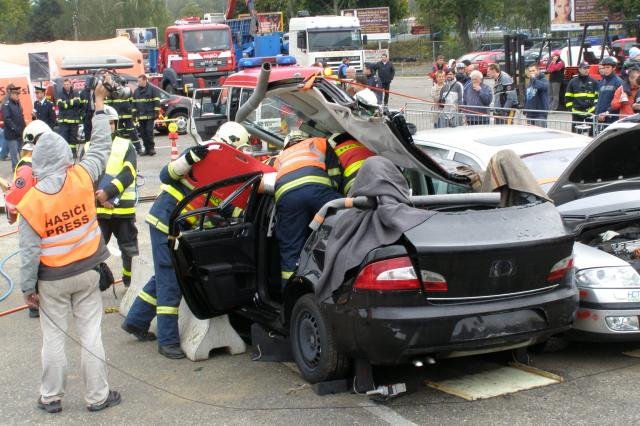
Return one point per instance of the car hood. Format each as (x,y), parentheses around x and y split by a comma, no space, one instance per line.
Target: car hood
(608,164)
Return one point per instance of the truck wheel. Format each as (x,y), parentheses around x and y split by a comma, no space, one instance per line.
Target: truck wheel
(182,120)
(170,89)
(313,345)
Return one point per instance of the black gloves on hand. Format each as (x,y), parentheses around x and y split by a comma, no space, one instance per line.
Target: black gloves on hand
(195,154)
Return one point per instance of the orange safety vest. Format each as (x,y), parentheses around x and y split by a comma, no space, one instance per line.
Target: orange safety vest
(311,152)
(66,221)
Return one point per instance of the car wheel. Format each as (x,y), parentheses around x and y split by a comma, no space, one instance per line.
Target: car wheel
(313,345)
(182,120)
(170,89)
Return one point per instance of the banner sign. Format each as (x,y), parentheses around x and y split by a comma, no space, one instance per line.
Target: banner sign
(569,15)
(374,21)
(143,38)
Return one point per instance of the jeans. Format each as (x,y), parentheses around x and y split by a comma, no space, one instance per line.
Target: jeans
(77,297)
(12,146)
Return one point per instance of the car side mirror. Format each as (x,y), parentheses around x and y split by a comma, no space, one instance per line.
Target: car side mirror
(302,40)
(364,39)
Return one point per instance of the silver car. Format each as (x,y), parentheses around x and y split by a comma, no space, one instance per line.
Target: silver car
(597,190)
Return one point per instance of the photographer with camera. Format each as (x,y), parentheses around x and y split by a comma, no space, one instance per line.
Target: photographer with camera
(61,246)
(146,101)
(505,97)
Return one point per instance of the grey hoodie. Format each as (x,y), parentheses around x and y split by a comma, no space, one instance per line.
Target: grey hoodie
(50,161)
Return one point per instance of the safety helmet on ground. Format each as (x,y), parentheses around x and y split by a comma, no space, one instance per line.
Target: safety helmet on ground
(33,130)
(294,137)
(232,133)
(609,60)
(111,113)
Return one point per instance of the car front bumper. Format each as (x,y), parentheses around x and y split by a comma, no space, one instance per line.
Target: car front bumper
(395,335)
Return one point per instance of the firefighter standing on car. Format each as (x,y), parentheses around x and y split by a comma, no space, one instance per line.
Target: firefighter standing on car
(69,114)
(308,177)
(146,107)
(43,108)
(351,154)
(161,295)
(116,197)
(126,128)
(581,97)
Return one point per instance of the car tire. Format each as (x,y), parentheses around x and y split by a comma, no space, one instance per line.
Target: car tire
(170,89)
(182,120)
(313,345)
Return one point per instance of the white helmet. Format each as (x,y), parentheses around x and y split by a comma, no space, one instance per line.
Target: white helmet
(111,113)
(33,130)
(232,133)
(294,136)
(28,146)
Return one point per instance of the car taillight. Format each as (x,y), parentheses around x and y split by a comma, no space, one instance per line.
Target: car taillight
(390,274)
(254,140)
(560,269)
(433,281)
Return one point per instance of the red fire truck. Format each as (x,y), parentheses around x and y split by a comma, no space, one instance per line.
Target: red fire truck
(195,54)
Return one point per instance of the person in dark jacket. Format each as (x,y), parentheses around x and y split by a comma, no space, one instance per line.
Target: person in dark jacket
(581,96)
(608,86)
(537,97)
(88,108)
(43,108)
(477,97)
(13,123)
(386,73)
(372,80)
(69,114)
(146,106)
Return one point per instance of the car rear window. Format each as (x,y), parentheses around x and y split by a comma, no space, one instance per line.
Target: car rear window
(523,137)
(546,167)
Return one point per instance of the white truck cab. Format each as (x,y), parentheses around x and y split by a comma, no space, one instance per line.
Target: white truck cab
(327,39)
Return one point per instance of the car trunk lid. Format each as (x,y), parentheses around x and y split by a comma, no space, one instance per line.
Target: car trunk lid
(481,258)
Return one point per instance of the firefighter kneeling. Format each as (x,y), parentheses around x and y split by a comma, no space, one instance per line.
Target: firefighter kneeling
(161,295)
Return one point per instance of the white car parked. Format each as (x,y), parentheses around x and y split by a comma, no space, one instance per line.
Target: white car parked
(596,188)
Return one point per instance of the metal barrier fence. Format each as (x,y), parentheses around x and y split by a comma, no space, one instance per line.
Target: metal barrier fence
(425,115)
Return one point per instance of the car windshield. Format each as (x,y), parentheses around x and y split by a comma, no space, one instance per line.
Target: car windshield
(546,167)
(205,40)
(275,116)
(324,41)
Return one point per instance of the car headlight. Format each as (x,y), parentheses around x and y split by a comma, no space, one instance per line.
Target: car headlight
(608,277)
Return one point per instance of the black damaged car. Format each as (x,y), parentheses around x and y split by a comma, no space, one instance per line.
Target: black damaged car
(473,278)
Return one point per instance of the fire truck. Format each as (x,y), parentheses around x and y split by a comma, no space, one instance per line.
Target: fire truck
(196,53)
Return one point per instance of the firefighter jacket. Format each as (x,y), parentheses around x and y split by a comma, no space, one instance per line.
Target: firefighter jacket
(174,187)
(43,110)
(146,102)
(581,95)
(119,181)
(13,120)
(351,155)
(311,161)
(123,106)
(66,223)
(70,107)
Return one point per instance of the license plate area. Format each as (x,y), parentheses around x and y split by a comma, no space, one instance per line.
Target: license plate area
(498,325)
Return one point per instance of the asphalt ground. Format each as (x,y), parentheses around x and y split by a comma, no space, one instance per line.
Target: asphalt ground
(600,383)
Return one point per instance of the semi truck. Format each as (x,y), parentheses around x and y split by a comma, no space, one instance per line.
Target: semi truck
(326,39)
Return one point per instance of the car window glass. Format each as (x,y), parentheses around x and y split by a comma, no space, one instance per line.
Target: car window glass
(546,167)
(465,159)
(614,160)
(435,152)
(276,116)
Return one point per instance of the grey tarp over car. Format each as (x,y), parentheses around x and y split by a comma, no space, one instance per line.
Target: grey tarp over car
(360,231)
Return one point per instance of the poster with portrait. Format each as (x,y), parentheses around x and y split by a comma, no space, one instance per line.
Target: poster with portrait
(569,15)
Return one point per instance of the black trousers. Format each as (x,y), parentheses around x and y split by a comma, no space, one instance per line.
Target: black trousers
(69,131)
(146,133)
(128,130)
(386,87)
(126,234)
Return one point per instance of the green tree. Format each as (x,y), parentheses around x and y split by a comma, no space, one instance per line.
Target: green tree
(13,18)
(191,9)
(42,20)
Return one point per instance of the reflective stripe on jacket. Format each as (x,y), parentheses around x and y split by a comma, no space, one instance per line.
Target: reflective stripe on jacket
(351,155)
(581,95)
(70,107)
(311,161)
(65,221)
(121,168)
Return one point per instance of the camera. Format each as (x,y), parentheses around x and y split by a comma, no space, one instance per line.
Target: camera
(115,84)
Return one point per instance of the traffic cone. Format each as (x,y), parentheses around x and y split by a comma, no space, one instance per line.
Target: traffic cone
(173,136)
